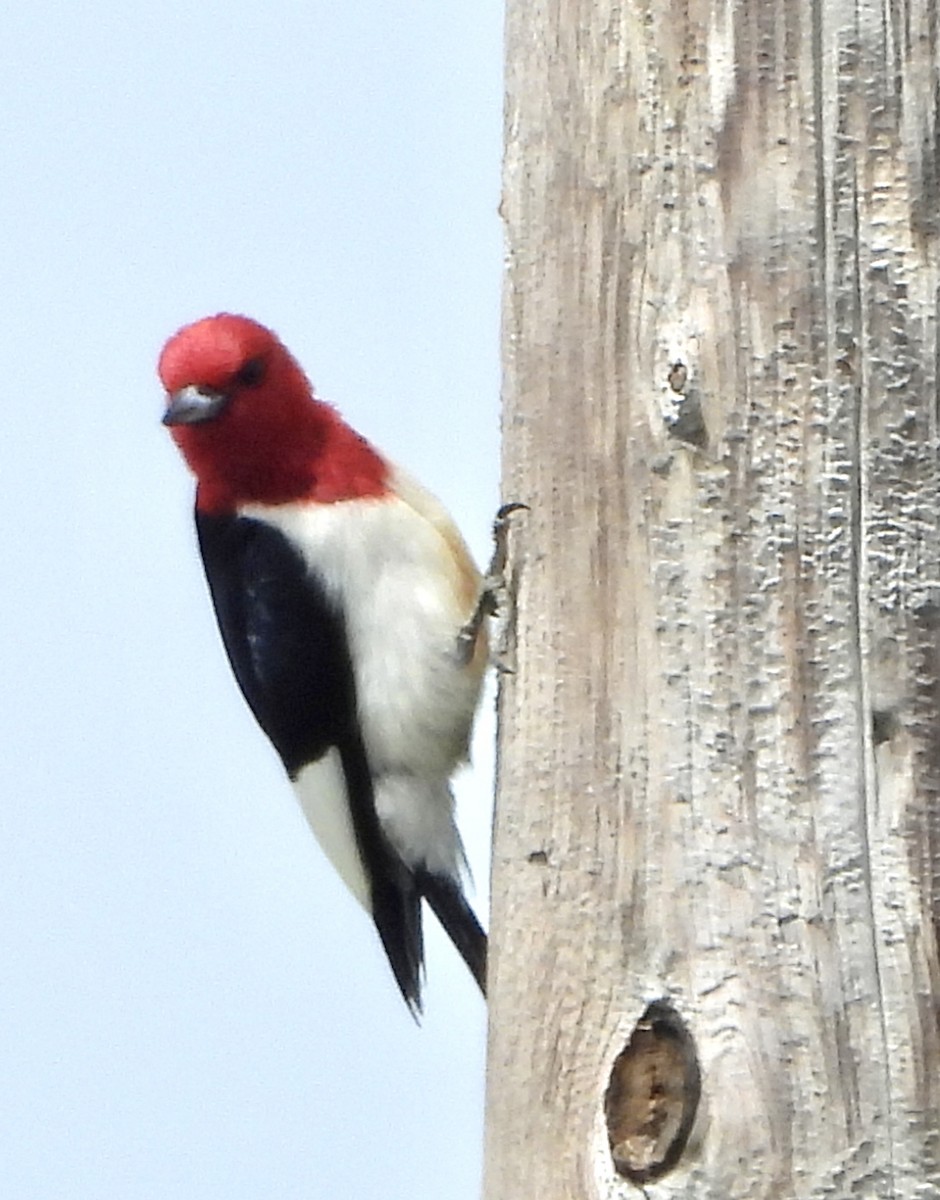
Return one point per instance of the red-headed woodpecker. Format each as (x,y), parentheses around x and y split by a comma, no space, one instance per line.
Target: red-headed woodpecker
(346,600)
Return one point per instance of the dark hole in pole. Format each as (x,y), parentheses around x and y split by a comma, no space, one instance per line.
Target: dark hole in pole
(652,1095)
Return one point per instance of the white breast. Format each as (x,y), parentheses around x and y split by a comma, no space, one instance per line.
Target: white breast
(398,572)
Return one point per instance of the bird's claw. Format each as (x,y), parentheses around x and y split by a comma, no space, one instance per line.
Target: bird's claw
(494,583)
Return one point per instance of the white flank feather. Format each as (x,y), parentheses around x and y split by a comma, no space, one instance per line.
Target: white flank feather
(321,789)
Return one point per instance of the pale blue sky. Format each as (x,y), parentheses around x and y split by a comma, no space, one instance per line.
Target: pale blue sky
(190,1004)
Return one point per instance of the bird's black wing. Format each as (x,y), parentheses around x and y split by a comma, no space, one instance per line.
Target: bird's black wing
(289,652)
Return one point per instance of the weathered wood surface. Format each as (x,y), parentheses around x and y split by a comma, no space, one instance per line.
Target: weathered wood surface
(719,759)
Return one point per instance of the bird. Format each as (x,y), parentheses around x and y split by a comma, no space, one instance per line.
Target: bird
(351,612)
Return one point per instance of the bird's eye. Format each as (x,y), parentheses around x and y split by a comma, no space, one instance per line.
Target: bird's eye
(251,374)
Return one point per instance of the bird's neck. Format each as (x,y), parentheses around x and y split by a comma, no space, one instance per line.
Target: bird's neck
(321,461)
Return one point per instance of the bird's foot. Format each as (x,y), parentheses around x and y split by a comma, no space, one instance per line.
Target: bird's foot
(493,590)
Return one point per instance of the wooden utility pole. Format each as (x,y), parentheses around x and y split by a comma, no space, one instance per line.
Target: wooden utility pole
(716,886)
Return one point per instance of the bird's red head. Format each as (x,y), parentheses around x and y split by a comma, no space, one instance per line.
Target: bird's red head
(244,416)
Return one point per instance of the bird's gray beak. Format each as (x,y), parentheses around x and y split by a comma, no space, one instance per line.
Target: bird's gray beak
(192,404)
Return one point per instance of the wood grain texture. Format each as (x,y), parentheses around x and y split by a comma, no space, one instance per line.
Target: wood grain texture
(719,756)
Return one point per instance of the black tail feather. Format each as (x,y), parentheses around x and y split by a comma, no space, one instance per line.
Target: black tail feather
(394,894)
(396,911)
(458,919)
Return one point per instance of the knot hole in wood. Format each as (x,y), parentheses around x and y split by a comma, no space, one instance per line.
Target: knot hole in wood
(652,1095)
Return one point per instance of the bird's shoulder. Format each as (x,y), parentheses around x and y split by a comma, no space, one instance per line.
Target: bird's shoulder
(358,544)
